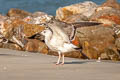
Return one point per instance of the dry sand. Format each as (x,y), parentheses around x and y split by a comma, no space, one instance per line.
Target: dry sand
(18,65)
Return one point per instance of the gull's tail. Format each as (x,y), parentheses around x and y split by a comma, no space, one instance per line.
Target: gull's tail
(82,52)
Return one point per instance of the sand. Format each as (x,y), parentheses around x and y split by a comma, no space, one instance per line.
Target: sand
(19,65)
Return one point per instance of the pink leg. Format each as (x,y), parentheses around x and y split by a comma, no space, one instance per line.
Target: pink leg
(58,58)
(62,59)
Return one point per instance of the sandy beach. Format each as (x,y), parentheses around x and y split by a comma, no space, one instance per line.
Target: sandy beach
(18,65)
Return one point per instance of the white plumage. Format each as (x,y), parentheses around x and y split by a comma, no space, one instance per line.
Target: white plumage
(58,41)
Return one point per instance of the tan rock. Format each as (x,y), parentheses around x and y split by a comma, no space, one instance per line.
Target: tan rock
(16,30)
(34,45)
(117,43)
(104,56)
(2,18)
(28,29)
(73,54)
(102,8)
(11,46)
(106,15)
(75,18)
(90,51)
(38,18)
(95,40)
(111,3)
(13,12)
(112,53)
(1,45)
(86,8)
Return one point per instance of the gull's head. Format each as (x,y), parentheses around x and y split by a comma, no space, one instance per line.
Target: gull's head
(46,32)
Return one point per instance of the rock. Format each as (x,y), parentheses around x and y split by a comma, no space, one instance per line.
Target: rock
(112,53)
(11,46)
(52,53)
(117,43)
(17,30)
(34,45)
(29,29)
(2,18)
(13,12)
(75,18)
(1,45)
(90,51)
(116,29)
(95,40)
(73,54)
(106,15)
(104,56)
(38,18)
(86,8)
(2,38)
(111,3)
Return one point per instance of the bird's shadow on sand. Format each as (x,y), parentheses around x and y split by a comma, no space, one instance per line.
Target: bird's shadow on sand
(9,55)
(6,55)
(76,62)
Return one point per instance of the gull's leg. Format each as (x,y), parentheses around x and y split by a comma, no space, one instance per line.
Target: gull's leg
(17,41)
(59,53)
(62,59)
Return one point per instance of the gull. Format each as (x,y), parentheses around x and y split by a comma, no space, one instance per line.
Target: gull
(57,42)
(59,35)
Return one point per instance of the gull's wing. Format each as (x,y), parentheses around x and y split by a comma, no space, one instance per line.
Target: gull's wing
(85,24)
(70,29)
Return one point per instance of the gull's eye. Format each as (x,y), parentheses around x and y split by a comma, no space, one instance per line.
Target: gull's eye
(44,31)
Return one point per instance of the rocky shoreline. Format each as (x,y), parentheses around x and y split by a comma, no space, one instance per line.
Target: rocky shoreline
(19,30)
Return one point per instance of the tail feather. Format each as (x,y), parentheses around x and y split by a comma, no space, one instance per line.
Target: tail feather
(82,53)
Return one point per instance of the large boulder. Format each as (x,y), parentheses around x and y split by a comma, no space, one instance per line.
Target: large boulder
(97,40)
(86,8)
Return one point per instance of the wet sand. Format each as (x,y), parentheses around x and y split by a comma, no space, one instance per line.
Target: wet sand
(18,65)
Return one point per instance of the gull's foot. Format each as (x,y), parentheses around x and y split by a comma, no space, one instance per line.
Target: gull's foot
(62,63)
(57,63)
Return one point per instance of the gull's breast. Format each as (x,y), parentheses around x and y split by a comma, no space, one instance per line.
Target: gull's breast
(67,47)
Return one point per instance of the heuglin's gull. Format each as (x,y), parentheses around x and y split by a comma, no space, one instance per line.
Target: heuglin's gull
(58,36)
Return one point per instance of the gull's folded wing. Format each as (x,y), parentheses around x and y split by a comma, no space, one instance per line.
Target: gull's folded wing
(85,24)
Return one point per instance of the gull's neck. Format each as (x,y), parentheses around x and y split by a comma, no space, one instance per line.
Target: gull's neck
(48,37)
